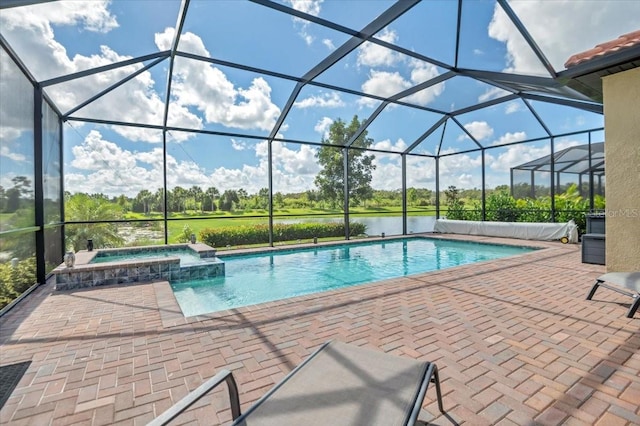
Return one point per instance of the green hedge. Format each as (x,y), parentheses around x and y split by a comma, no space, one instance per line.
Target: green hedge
(500,206)
(259,234)
(14,281)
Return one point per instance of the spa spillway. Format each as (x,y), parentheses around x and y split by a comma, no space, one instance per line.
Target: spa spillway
(174,263)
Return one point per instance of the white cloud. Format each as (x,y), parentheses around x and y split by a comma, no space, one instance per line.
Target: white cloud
(561,144)
(293,170)
(310,7)
(374,55)
(202,85)
(467,180)
(460,163)
(561,29)
(458,170)
(14,156)
(387,84)
(249,178)
(238,145)
(421,172)
(253,178)
(520,58)
(308,38)
(387,175)
(8,133)
(15,117)
(324,100)
(388,172)
(515,155)
(197,84)
(478,52)
(30,29)
(298,162)
(479,130)
(512,107)
(95,18)
(101,166)
(329,43)
(492,93)
(386,145)
(323,125)
(382,83)
(95,153)
(509,138)
(421,72)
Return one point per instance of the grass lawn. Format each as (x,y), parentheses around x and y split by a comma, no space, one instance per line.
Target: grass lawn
(197,221)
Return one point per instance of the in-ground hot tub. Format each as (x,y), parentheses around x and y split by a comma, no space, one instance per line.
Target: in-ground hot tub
(174,262)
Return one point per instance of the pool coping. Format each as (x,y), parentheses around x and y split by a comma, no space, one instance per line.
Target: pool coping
(356,241)
(171,314)
(84,257)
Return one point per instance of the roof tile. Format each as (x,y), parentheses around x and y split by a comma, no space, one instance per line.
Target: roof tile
(624,41)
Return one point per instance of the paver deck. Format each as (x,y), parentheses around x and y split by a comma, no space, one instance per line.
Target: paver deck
(514,339)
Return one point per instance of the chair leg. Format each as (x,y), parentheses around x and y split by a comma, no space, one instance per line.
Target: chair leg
(593,289)
(436,380)
(634,306)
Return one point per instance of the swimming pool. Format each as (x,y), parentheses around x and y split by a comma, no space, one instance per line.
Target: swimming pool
(264,277)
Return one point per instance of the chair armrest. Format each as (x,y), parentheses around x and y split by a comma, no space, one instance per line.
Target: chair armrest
(202,390)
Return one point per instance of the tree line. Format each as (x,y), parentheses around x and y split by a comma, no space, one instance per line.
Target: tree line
(14,198)
(327,194)
(210,200)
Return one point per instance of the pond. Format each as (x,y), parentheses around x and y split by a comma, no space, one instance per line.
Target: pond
(390,225)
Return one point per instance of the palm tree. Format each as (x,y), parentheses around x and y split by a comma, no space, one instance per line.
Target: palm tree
(144,197)
(86,208)
(229,197)
(196,194)
(211,193)
(158,199)
(178,199)
(242,196)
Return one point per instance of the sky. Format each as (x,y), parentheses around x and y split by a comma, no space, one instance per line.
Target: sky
(58,38)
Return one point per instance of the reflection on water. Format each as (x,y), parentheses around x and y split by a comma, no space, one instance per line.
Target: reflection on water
(391,225)
(261,277)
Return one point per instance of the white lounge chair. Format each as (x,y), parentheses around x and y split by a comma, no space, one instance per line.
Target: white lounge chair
(623,281)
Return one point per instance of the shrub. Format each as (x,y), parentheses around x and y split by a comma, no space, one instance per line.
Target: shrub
(14,281)
(455,205)
(259,234)
(502,207)
(185,235)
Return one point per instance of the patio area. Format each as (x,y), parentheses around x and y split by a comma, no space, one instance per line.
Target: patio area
(514,339)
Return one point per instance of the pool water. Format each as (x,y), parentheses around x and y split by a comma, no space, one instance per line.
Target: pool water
(187,257)
(259,278)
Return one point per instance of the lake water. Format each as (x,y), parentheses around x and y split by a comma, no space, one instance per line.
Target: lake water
(391,225)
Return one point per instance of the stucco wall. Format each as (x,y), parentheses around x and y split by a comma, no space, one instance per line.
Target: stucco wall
(622,155)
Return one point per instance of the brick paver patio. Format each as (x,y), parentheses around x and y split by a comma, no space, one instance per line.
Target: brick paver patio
(515,341)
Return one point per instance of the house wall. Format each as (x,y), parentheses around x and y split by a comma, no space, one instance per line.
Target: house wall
(622,152)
